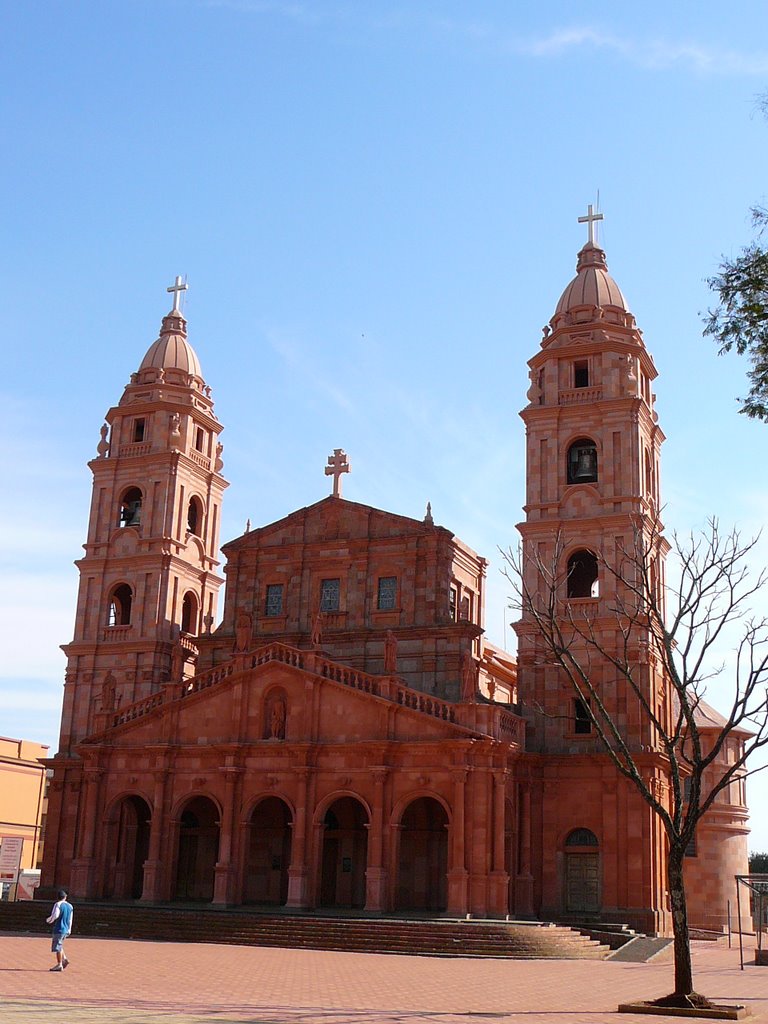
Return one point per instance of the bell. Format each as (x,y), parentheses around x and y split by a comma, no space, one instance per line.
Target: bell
(131,514)
(586,465)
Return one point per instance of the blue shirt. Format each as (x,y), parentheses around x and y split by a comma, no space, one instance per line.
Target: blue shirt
(63,921)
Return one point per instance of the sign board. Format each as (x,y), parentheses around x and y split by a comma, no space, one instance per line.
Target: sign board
(10,857)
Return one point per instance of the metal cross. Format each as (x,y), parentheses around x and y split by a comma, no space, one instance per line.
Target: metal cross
(178,287)
(337,464)
(590,219)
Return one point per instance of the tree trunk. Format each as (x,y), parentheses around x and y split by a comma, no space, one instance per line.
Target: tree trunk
(682,942)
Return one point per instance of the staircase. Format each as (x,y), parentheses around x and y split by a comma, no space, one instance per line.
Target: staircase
(431,937)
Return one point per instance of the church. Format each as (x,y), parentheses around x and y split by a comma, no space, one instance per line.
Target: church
(345,737)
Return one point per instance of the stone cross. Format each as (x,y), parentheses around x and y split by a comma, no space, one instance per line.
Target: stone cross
(337,464)
(177,288)
(590,219)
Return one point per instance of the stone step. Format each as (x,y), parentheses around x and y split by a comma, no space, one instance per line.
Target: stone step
(436,937)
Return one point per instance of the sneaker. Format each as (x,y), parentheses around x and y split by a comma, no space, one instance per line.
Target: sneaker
(65,965)
(58,967)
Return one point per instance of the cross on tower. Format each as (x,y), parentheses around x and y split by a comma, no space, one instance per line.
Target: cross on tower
(590,219)
(337,464)
(178,287)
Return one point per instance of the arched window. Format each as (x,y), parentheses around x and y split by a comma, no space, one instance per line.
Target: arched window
(189,613)
(582,575)
(195,516)
(130,507)
(581,837)
(582,461)
(120,601)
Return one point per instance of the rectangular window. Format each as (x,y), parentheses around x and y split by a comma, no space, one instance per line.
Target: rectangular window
(582,723)
(452,599)
(138,430)
(581,374)
(387,593)
(199,439)
(329,595)
(274,602)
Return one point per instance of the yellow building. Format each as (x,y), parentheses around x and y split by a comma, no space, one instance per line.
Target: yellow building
(23,800)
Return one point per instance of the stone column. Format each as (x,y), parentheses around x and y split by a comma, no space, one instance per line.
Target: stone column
(457,873)
(83,878)
(524,879)
(499,876)
(153,866)
(297,872)
(376,874)
(224,873)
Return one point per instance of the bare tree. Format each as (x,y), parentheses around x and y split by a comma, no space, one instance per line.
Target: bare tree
(641,630)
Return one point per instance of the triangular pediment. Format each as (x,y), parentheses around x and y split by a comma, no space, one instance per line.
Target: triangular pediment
(323,702)
(332,519)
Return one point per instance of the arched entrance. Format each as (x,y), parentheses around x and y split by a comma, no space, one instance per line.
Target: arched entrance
(128,830)
(269,853)
(423,861)
(198,850)
(582,872)
(344,854)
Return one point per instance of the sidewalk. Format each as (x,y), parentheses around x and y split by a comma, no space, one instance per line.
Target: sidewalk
(122,982)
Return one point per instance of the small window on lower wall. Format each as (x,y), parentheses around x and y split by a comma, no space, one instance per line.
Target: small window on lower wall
(387,595)
(582,723)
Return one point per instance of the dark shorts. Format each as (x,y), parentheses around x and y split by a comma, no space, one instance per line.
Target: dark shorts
(57,941)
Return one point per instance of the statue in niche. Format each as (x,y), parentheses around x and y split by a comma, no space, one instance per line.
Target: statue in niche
(108,692)
(243,627)
(390,653)
(317,631)
(468,677)
(277,720)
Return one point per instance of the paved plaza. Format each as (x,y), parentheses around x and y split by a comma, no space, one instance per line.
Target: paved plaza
(126,982)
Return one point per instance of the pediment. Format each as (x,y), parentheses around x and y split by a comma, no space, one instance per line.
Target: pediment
(331,519)
(323,702)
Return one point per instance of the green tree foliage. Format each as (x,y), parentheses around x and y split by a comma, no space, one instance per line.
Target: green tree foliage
(740,319)
(758,863)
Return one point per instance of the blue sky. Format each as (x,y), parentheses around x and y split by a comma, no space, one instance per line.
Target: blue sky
(376,207)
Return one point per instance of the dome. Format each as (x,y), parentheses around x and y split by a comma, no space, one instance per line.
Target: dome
(593,285)
(172,351)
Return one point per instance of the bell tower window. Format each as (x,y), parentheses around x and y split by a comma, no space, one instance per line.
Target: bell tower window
(582,462)
(582,723)
(199,439)
(581,374)
(130,507)
(120,601)
(139,429)
(194,516)
(582,575)
(189,613)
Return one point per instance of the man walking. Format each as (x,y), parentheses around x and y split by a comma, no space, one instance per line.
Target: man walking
(61,919)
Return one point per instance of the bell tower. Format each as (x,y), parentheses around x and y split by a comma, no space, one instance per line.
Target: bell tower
(148,579)
(592,452)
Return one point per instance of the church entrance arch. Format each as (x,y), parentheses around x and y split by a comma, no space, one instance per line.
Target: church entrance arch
(422,869)
(198,850)
(269,853)
(582,872)
(344,854)
(128,848)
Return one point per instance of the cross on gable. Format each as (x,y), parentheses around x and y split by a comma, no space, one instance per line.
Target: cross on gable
(337,464)
(177,288)
(591,219)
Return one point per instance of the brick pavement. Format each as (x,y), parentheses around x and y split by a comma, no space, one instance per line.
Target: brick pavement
(122,982)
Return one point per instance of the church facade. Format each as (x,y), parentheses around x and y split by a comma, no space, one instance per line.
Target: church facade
(347,737)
